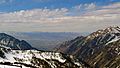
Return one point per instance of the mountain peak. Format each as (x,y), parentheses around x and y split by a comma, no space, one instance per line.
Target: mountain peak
(109,30)
(13,43)
(114,29)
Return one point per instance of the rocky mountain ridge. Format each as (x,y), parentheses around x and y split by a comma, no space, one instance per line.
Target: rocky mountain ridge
(13,43)
(100,49)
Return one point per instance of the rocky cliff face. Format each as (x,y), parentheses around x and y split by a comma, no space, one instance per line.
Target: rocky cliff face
(99,49)
(13,43)
(19,54)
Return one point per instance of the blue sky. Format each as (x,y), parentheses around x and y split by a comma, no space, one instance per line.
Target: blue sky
(58,15)
(17,5)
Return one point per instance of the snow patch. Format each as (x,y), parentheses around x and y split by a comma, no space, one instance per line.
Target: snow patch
(113,40)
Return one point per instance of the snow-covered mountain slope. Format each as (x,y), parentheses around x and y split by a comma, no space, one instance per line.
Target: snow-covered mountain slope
(99,49)
(36,59)
(14,55)
(13,43)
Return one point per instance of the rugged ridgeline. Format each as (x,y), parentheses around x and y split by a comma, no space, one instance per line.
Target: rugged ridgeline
(19,54)
(13,43)
(101,49)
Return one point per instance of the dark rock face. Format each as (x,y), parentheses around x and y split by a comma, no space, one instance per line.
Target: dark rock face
(99,49)
(13,43)
(70,46)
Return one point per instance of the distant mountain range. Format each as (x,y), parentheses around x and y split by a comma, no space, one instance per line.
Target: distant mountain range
(100,49)
(45,40)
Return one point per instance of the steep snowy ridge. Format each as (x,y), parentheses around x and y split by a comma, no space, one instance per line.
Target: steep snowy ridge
(13,43)
(109,30)
(38,59)
(99,49)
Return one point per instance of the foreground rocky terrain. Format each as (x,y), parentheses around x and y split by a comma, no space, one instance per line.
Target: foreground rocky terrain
(100,49)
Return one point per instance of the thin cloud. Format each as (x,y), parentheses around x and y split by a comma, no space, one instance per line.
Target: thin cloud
(5,1)
(90,6)
(2,1)
(35,15)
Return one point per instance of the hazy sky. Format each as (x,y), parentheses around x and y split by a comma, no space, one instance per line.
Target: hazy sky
(58,15)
